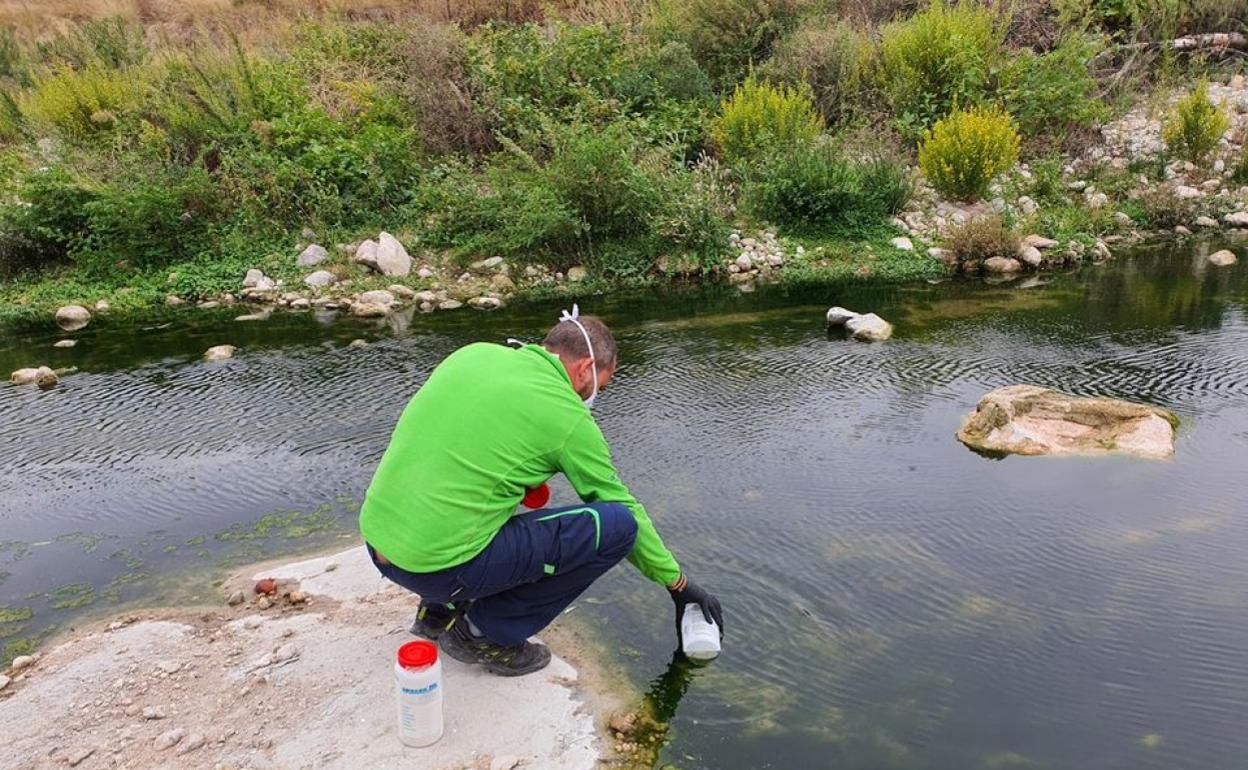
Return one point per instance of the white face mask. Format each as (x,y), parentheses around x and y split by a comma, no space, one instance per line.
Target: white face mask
(593,362)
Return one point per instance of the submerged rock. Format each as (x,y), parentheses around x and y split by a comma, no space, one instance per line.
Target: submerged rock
(42,376)
(837,316)
(71,318)
(1031,420)
(1223,258)
(869,328)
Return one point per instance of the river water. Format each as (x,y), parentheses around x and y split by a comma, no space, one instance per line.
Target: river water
(893,600)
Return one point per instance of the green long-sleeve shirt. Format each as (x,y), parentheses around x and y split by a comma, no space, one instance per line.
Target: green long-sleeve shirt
(490,422)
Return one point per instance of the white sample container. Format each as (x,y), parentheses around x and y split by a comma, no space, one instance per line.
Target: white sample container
(418,688)
(699,638)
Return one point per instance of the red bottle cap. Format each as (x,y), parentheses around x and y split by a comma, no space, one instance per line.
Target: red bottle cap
(420,654)
(537,497)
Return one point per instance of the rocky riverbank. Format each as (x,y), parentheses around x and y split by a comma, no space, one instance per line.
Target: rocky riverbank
(299,677)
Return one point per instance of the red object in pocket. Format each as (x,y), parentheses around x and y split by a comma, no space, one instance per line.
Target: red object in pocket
(537,497)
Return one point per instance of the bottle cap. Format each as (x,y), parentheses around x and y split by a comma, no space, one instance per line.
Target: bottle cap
(419,654)
(537,497)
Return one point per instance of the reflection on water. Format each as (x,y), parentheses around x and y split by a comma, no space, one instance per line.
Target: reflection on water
(893,600)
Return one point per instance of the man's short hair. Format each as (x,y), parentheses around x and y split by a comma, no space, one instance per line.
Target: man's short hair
(565,339)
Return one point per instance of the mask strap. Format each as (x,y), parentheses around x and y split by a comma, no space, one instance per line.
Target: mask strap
(593,360)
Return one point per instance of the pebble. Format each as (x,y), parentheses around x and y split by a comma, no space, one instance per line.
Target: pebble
(169,666)
(78,756)
(21,662)
(903,243)
(264,603)
(192,742)
(153,712)
(235,598)
(170,738)
(65,343)
(285,652)
(356,344)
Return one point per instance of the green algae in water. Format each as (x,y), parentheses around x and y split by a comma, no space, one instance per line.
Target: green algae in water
(126,557)
(13,619)
(71,596)
(89,541)
(286,524)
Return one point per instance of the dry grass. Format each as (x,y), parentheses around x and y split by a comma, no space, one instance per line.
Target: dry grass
(37,19)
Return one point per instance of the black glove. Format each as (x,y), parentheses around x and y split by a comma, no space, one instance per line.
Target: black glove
(686,592)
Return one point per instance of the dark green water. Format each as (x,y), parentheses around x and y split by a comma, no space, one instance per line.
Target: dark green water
(893,600)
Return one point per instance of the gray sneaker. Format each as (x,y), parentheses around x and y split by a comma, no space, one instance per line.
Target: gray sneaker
(459,642)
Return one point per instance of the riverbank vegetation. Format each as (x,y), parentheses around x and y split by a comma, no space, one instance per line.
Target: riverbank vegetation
(150,149)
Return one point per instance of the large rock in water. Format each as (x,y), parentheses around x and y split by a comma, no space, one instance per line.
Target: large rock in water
(1030,420)
(71,318)
(869,327)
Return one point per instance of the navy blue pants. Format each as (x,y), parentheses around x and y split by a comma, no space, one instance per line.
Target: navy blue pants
(536,565)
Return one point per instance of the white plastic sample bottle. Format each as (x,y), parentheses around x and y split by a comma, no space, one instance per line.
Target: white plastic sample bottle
(699,637)
(418,687)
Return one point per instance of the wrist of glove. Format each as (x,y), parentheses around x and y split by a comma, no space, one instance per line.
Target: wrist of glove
(685,592)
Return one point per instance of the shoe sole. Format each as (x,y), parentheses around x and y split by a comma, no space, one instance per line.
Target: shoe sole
(498,669)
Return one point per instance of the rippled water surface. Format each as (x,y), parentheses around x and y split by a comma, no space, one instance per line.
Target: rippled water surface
(893,600)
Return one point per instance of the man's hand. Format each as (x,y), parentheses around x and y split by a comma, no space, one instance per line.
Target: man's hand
(685,592)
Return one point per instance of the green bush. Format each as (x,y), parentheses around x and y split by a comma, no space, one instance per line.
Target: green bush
(598,175)
(726,37)
(832,56)
(694,213)
(964,152)
(46,219)
(941,55)
(1194,126)
(1239,169)
(982,237)
(526,79)
(1053,95)
(1046,184)
(759,118)
(1162,208)
(818,190)
(81,104)
(148,219)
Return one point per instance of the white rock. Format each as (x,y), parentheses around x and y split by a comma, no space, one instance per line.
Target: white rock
(487,264)
(744,263)
(485,303)
(402,292)
(577,273)
(169,738)
(174,300)
(168,666)
(1102,249)
(356,344)
(1040,242)
(21,662)
(1237,219)
(75,758)
(424,272)
(837,316)
(1219,166)
(153,712)
(285,652)
(252,279)
(312,255)
(1027,205)
(64,343)
(71,318)
(1122,218)
(1223,258)
(1203,221)
(366,254)
(300,303)
(392,258)
(1097,200)
(426,296)
(377,297)
(1184,191)
(219,352)
(450,304)
(1002,265)
(1029,255)
(505,762)
(1182,230)
(369,310)
(236,598)
(869,328)
(903,243)
(320,278)
(42,376)
(775,260)
(102,306)
(4,681)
